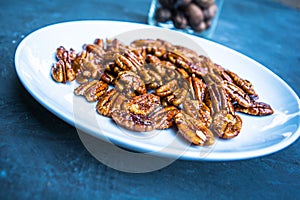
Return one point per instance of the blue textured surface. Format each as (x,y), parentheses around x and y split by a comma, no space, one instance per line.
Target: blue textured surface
(42,157)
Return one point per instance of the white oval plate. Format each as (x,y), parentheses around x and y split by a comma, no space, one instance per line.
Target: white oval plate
(259,135)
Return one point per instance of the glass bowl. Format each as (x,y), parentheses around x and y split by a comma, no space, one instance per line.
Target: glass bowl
(207,33)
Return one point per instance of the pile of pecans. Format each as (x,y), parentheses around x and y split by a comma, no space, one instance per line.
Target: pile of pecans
(197,14)
(152,84)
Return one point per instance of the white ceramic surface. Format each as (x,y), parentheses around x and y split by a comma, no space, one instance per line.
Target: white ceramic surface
(259,135)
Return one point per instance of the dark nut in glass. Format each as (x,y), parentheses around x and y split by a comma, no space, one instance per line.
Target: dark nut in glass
(182,3)
(179,20)
(201,27)
(194,14)
(204,3)
(210,12)
(163,14)
(167,3)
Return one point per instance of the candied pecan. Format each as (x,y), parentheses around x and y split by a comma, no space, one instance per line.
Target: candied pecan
(226,125)
(114,46)
(105,103)
(140,43)
(130,83)
(183,73)
(199,88)
(163,118)
(152,59)
(155,81)
(183,50)
(155,47)
(165,69)
(237,94)
(256,108)
(225,122)
(89,66)
(95,49)
(129,61)
(63,54)
(108,77)
(200,66)
(133,121)
(143,104)
(242,83)
(166,89)
(177,97)
(99,42)
(192,130)
(198,110)
(92,91)
(111,101)
(151,79)
(179,60)
(78,61)
(174,91)
(62,72)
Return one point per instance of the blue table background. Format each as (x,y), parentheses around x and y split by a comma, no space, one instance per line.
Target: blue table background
(42,157)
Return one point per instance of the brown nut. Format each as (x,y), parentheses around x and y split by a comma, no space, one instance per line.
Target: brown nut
(105,104)
(167,88)
(144,104)
(62,72)
(111,101)
(257,108)
(60,53)
(194,14)
(167,3)
(96,49)
(179,20)
(132,121)
(163,118)
(92,91)
(129,84)
(192,130)
(201,27)
(163,14)
(108,78)
(81,79)
(177,97)
(204,3)
(63,54)
(210,12)
(96,91)
(208,23)
(182,3)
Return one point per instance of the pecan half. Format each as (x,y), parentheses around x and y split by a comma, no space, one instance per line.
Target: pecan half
(62,72)
(163,118)
(130,83)
(192,130)
(143,104)
(256,108)
(133,121)
(111,101)
(92,91)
